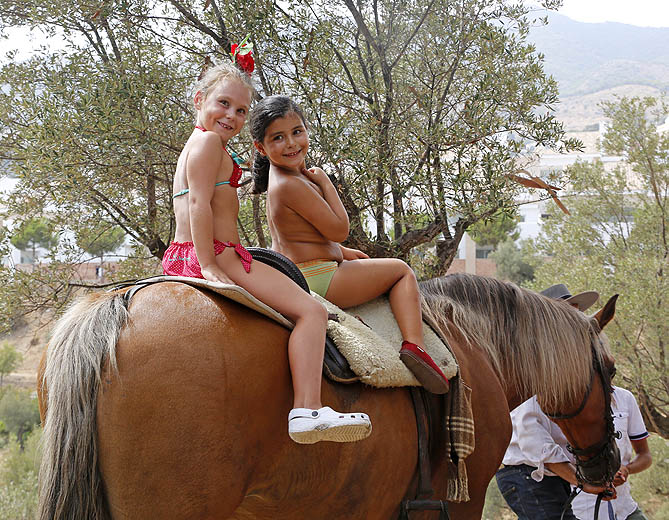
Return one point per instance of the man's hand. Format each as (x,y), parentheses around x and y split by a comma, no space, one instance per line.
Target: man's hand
(609,491)
(621,476)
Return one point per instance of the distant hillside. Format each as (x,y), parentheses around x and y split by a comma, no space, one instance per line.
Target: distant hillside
(579,112)
(589,57)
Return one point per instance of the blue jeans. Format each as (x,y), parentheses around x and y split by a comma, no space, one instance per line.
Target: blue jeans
(532,500)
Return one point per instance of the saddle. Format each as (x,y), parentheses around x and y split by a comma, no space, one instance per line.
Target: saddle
(335,365)
(362,341)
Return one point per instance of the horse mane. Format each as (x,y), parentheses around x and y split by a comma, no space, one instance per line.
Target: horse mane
(538,344)
(70,485)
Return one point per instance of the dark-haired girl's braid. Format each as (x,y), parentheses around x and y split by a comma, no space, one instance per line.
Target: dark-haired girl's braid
(260,173)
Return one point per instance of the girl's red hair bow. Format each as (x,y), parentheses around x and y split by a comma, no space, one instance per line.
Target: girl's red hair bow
(241,54)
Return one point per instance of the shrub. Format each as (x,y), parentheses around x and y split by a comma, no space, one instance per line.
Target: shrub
(18,478)
(20,412)
(650,488)
(10,359)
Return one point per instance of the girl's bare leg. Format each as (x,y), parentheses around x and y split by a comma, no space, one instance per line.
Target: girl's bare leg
(359,281)
(307,340)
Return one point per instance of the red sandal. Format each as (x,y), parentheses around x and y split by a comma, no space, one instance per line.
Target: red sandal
(424,368)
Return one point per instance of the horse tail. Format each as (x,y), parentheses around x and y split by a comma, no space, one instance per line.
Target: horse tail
(83,340)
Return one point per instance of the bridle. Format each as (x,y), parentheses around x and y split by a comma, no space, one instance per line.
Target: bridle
(598,454)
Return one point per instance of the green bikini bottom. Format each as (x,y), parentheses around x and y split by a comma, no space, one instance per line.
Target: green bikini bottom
(318,274)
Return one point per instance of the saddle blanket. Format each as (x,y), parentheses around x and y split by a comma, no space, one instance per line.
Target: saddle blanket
(367,336)
(370,339)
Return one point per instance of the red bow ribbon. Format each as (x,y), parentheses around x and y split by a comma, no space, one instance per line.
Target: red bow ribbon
(241,54)
(244,255)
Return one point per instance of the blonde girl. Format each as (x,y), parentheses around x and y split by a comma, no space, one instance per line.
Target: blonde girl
(206,245)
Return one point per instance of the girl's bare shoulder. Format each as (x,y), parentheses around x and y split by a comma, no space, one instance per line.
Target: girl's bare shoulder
(291,186)
(207,143)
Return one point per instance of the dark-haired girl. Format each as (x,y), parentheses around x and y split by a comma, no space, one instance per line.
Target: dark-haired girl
(308,221)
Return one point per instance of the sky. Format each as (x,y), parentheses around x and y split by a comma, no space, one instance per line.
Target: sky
(645,13)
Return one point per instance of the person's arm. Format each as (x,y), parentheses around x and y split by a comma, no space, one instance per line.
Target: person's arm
(535,439)
(204,161)
(640,462)
(326,213)
(567,471)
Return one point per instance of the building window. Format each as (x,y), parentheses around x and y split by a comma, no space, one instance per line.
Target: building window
(483,252)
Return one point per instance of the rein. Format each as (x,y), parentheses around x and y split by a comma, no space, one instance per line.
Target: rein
(598,503)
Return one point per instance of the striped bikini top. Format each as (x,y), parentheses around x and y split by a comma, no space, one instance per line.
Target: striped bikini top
(234,178)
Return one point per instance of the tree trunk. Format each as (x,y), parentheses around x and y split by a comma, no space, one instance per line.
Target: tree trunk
(257,221)
(655,420)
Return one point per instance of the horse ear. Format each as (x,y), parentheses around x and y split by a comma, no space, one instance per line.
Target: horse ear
(606,313)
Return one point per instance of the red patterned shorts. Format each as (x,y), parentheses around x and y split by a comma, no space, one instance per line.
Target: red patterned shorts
(180,258)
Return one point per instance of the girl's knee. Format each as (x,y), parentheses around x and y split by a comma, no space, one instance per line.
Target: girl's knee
(313,311)
(405,268)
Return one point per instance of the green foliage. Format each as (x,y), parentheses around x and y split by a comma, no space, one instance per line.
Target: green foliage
(100,238)
(616,241)
(495,507)
(17,462)
(515,264)
(20,412)
(4,434)
(34,233)
(140,265)
(10,359)
(18,479)
(650,488)
(498,228)
(407,103)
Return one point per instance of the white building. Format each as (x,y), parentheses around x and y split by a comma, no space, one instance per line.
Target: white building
(532,210)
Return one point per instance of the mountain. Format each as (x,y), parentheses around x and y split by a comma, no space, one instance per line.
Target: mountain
(590,57)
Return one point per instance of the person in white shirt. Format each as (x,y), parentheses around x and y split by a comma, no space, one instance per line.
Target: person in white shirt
(537,468)
(634,455)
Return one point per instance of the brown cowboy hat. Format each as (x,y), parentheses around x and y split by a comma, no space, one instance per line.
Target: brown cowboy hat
(582,301)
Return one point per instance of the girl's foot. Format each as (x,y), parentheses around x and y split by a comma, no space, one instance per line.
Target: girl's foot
(307,426)
(424,368)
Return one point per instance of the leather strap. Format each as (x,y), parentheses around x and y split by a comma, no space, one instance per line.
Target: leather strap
(421,503)
(422,425)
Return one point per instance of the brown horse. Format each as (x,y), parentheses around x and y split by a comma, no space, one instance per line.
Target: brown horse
(177,408)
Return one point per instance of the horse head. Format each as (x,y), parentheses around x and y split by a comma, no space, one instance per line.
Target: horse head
(591,441)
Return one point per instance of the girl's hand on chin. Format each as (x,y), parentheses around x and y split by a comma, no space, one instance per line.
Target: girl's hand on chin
(215,274)
(315,174)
